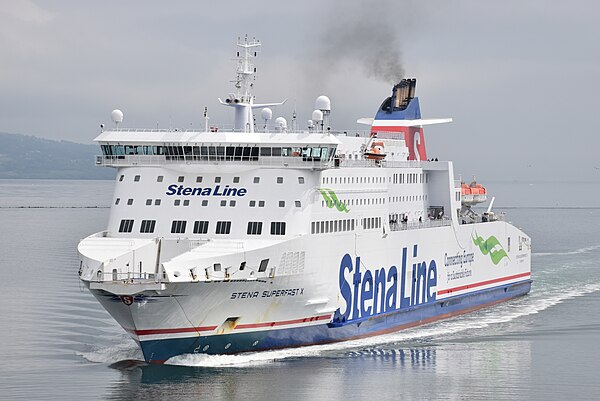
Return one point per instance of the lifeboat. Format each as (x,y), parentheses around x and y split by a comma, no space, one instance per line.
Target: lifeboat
(472,194)
(376,151)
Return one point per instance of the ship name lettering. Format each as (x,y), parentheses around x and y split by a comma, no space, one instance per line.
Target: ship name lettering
(180,190)
(244,294)
(384,290)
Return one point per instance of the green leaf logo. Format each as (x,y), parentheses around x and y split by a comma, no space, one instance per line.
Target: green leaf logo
(491,246)
(332,200)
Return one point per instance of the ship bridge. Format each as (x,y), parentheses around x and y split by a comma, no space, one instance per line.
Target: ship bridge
(122,148)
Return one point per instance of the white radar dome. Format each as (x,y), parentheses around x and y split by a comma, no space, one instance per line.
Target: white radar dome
(117,116)
(281,122)
(266,113)
(317,115)
(323,103)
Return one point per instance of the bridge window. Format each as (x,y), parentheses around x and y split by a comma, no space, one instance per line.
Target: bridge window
(236,180)
(278,228)
(223,203)
(129,201)
(205,202)
(156,202)
(252,203)
(147,226)
(281,203)
(180,178)
(177,202)
(254,228)
(199,179)
(148,202)
(200,227)
(223,227)
(186,202)
(300,180)
(126,226)
(298,203)
(159,178)
(261,203)
(136,178)
(217,180)
(117,201)
(121,178)
(256,180)
(231,203)
(178,226)
(280,180)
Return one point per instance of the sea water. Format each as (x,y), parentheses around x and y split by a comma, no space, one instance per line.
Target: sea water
(58,343)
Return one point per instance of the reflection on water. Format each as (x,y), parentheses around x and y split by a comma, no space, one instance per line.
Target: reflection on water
(409,372)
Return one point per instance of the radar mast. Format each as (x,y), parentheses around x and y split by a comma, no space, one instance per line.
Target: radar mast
(243,99)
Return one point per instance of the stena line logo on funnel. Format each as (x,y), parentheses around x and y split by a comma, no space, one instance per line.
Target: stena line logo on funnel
(384,290)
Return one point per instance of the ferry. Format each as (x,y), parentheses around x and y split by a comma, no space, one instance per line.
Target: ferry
(264,236)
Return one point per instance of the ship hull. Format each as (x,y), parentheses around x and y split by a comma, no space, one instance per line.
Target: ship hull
(159,351)
(329,293)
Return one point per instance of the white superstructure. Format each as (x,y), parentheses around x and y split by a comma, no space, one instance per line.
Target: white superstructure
(264,236)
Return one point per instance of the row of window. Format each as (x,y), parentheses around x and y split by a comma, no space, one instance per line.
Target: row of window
(408,198)
(353,180)
(219,152)
(331,226)
(409,178)
(334,226)
(356,202)
(199,179)
(201,227)
(400,178)
(223,203)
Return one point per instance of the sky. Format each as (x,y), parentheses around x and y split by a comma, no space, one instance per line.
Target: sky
(521,79)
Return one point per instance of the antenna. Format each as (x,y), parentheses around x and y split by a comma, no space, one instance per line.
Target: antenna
(243,99)
(117,117)
(206,118)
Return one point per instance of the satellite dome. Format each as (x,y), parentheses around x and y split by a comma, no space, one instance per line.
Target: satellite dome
(317,115)
(323,103)
(117,116)
(266,113)
(281,122)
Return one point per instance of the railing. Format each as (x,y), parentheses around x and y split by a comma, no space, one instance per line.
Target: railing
(128,277)
(414,225)
(291,161)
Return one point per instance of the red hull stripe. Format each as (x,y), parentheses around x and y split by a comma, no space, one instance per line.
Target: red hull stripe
(172,331)
(239,326)
(282,323)
(482,283)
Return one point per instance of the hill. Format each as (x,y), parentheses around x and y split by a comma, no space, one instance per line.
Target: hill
(23,156)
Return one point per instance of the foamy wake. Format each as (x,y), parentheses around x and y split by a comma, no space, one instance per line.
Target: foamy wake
(575,252)
(126,349)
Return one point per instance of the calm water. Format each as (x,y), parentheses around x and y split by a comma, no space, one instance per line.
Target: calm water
(57,343)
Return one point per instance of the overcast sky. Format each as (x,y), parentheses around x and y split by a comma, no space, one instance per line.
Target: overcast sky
(520,78)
